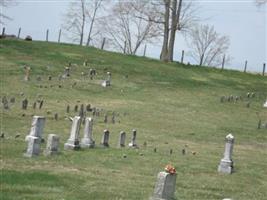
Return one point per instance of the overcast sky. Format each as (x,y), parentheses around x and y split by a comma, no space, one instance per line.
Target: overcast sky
(242,21)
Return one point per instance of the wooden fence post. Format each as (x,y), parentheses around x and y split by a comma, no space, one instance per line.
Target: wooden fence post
(3,31)
(144,54)
(182,57)
(19,33)
(47,32)
(103,43)
(223,61)
(245,68)
(59,36)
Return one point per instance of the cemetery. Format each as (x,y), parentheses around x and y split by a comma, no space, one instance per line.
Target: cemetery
(84,123)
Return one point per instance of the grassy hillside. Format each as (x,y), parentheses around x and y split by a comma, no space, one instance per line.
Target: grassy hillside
(170,105)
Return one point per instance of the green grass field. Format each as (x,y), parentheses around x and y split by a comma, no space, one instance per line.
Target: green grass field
(170,105)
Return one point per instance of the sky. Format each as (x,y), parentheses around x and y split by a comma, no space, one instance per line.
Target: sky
(241,20)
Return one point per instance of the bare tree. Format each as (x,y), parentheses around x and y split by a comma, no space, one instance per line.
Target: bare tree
(126,31)
(208,47)
(92,13)
(171,16)
(260,2)
(5,4)
(74,22)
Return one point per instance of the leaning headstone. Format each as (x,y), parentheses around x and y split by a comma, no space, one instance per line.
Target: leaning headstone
(56,116)
(133,140)
(105,118)
(73,141)
(27,73)
(87,141)
(265,104)
(37,127)
(5,102)
(76,108)
(24,104)
(68,109)
(165,186)
(41,104)
(33,148)
(34,105)
(105,139)
(226,165)
(52,145)
(122,139)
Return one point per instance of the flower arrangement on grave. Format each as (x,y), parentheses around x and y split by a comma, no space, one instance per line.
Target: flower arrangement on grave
(170,169)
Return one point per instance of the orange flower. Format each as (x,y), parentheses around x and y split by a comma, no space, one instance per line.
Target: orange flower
(170,169)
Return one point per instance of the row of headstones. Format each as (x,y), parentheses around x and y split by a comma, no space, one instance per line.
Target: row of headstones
(24,103)
(165,185)
(35,137)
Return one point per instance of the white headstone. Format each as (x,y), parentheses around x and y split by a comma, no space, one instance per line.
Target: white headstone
(37,127)
(265,104)
(122,139)
(165,187)
(133,140)
(87,140)
(33,148)
(73,141)
(226,165)
(105,139)
(52,145)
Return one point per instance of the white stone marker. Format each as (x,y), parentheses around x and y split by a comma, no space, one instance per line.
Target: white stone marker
(105,139)
(133,140)
(265,104)
(122,139)
(165,187)
(226,165)
(87,140)
(73,141)
(52,145)
(37,127)
(33,148)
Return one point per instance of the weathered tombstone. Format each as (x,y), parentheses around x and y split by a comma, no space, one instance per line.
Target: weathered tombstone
(33,148)
(248,104)
(5,102)
(52,145)
(165,186)
(259,124)
(265,104)
(34,105)
(81,112)
(66,72)
(87,140)
(27,73)
(155,150)
(85,63)
(38,78)
(226,165)
(183,151)
(222,99)
(113,118)
(105,118)
(171,151)
(88,108)
(105,139)
(76,108)
(56,116)
(41,104)
(24,104)
(73,142)
(12,100)
(68,109)
(248,95)
(37,127)
(133,140)
(122,139)
(50,78)
(107,82)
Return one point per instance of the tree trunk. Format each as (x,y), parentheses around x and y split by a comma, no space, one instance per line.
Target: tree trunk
(164,50)
(91,28)
(83,22)
(175,23)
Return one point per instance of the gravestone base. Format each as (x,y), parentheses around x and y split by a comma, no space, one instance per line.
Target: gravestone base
(165,187)
(104,145)
(226,166)
(87,143)
(33,148)
(72,145)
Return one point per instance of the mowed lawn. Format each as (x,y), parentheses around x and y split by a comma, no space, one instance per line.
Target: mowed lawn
(172,106)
